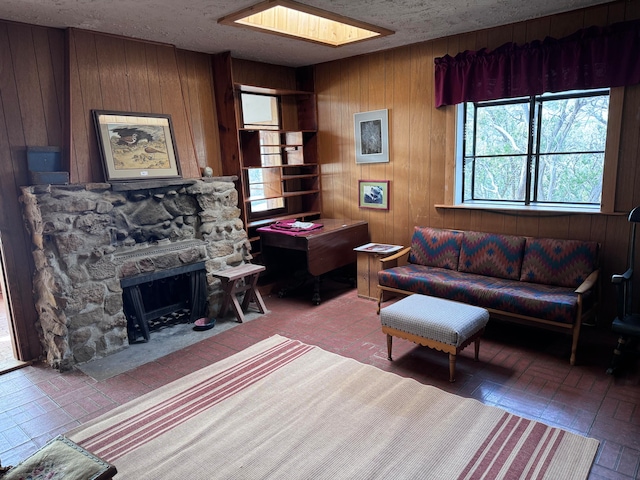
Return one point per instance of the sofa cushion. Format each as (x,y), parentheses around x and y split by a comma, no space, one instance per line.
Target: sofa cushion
(557,304)
(566,263)
(491,254)
(435,247)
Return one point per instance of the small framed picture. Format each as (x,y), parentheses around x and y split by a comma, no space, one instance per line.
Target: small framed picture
(374,194)
(136,145)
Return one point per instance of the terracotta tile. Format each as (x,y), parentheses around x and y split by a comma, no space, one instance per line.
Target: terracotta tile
(596,384)
(568,417)
(629,462)
(46,423)
(18,453)
(26,412)
(624,411)
(75,411)
(14,436)
(5,445)
(558,373)
(74,395)
(611,429)
(549,389)
(608,407)
(94,414)
(154,374)
(523,403)
(521,370)
(96,401)
(6,421)
(601,473)
(122,388)
(183,365)
(573,396)
(24,396)
(12,381)
(609,455)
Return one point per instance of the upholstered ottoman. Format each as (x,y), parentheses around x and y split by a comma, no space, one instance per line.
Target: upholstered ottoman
(435,323)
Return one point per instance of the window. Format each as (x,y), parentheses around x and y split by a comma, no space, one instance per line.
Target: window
(540,150)
(262,112)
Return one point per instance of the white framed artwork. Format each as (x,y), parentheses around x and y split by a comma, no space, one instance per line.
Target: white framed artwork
(372,136)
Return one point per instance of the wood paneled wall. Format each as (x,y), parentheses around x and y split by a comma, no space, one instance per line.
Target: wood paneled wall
(47,100)
(422,143)
(32,112)
(263,74)
(113,73)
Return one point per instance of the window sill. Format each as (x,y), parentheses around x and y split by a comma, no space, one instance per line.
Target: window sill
(537,210)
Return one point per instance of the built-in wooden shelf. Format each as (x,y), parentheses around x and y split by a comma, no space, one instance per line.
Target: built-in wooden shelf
(287,155)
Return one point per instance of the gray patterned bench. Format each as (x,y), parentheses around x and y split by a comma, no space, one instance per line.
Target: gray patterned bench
(436,323)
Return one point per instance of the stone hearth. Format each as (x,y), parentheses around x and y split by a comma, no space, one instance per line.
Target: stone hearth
(88,237)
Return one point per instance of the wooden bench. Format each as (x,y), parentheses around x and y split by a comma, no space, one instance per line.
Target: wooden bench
(235,280)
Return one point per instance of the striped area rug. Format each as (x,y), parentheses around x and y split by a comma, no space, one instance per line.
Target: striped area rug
(283,409)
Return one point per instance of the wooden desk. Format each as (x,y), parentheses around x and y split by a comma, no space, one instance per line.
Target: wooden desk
(318,252)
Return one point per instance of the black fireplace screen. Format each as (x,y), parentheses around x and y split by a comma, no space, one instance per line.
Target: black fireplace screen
(154,300)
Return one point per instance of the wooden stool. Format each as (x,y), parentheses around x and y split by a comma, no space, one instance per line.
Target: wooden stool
(232,284)
(435,323)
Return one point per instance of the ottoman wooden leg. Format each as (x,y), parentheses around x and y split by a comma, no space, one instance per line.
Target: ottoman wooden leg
(389,346)
(452,367)
(477,345)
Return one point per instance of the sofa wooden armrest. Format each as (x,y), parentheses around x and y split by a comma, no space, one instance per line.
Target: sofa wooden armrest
(589,283)
(395,259)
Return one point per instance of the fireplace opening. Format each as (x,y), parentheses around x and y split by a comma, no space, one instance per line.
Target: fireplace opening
(163,298)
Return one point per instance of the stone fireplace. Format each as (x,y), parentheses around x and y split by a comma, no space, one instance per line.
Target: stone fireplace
(87,238)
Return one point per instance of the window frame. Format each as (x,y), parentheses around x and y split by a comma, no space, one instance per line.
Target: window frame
(455,199)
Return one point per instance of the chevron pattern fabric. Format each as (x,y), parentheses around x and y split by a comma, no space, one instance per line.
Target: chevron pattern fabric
(566,263)
(434,247)
(491,254)
(558,304)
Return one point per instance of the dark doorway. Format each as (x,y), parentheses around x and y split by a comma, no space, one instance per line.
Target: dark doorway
(8,352)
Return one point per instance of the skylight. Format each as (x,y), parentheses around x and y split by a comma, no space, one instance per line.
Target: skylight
(292,19)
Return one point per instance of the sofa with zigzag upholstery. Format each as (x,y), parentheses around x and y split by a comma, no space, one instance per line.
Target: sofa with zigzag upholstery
(542,281)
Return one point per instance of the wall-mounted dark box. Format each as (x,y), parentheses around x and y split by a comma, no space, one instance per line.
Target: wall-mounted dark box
(49,178)
(45,165)
(44,159)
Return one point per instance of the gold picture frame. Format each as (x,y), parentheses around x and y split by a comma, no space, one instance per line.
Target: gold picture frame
(374,194)
(136,146)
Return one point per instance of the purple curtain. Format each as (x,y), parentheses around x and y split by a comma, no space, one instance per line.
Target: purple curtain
(593,57)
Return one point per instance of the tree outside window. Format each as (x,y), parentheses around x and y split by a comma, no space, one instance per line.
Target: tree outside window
(544,149)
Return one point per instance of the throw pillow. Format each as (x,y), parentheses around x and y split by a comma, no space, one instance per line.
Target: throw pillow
(434,247)
(566,263)
(491,254)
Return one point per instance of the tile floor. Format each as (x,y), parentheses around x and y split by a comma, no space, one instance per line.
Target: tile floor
(521,370)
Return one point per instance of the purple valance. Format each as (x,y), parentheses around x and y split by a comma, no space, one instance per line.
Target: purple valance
(594,57)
